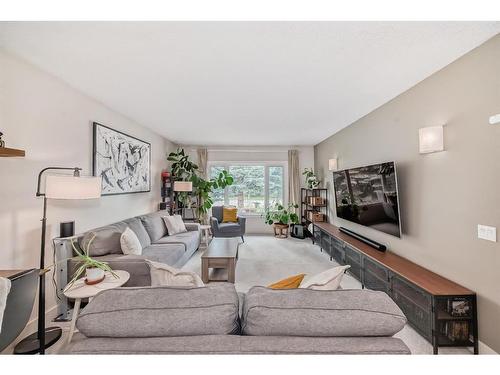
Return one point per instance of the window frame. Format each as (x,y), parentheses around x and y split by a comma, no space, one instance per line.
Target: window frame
(266,165)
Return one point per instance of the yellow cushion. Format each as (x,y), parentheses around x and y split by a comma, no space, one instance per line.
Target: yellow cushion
(229,215)
(291,282)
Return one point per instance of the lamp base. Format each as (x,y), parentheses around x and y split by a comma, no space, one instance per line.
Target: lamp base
(31,345)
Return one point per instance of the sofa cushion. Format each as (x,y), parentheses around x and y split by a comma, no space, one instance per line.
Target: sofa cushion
(229,227)
(161,312)
(136,225)
(190,240)
(106,241)
(164,253)
(154,225)
(232,344)
(306,312)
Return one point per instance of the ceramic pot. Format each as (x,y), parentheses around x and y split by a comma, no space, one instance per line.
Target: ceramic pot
(94,275)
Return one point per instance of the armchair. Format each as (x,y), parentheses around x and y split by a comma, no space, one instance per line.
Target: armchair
(220,229)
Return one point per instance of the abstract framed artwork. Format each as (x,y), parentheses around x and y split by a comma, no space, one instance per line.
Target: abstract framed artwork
(123,161)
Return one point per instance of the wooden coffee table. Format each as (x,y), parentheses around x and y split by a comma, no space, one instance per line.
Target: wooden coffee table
(221,253)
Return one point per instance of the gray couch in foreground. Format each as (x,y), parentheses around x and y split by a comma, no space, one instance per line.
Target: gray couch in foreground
(157,245)
(168,320)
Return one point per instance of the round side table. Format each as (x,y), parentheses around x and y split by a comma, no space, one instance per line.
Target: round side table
(205,232)
(79,290)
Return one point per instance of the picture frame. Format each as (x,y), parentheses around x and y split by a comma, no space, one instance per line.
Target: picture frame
(123,161)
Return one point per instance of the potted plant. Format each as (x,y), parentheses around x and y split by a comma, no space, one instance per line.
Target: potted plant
(184,169)
(280,217)
(311,179)
(95,271)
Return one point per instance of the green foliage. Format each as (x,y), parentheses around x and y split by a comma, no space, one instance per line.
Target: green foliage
(87,262)
(184,169)
(311,179)
(278,213)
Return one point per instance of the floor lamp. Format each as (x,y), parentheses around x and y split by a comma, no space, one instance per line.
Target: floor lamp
(56,187)
(182,187)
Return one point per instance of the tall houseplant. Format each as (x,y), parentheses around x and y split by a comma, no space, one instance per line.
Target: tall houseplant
(184,169)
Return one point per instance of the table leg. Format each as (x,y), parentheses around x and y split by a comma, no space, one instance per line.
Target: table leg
(204,270)
(231,270)
(76,311)
(206,237)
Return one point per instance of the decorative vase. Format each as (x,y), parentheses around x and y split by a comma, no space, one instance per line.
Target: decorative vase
(94,276)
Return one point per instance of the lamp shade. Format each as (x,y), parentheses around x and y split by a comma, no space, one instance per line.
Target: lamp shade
(332,164)
(430,139)
(183,186)
(70,187)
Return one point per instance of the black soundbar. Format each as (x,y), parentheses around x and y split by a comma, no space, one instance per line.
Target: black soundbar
(375,245)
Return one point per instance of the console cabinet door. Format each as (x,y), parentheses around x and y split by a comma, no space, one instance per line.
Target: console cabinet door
(375,276)
(353,258)
(338,252)
(415,303)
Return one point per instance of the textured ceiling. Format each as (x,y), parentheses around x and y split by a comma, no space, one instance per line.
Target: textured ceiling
(243,83)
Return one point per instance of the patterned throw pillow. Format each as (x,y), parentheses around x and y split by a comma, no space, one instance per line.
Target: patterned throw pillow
(174,224)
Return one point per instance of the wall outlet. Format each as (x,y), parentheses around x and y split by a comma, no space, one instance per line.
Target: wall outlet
(487,233)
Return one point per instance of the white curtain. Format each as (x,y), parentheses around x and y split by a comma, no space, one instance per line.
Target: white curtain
(293,177)
(202,161)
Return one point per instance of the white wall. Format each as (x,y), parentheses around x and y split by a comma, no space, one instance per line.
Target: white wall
(255,224)
(52,122)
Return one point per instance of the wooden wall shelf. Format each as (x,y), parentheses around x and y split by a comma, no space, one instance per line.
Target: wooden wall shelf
(11,152)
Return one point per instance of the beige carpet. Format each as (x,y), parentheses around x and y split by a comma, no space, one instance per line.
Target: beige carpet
(265,259)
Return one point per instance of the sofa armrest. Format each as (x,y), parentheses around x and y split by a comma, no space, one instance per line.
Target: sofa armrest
(214,224)
(242,221)
(192,227)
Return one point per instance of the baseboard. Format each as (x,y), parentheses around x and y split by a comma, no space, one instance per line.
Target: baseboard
(485,349)
(31,327)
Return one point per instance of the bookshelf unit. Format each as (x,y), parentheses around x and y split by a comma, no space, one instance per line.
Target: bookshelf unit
(313,205)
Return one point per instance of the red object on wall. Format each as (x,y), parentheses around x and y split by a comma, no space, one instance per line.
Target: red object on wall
(165,174)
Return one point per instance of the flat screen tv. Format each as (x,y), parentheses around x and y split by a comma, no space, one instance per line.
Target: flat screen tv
(369,196)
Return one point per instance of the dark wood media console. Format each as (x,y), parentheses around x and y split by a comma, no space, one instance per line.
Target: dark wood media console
(442,311)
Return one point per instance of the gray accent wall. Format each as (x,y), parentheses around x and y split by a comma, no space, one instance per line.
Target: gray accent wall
(443,196)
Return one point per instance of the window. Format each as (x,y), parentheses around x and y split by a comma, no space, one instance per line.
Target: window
(255,186)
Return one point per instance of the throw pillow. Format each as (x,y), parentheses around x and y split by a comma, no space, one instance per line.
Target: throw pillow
(130,243)
(174,224)
(291,282)
(229,215)
(164,275)
(328,280)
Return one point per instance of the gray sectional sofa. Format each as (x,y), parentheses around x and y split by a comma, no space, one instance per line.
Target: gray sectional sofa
(210,320)
(157,246)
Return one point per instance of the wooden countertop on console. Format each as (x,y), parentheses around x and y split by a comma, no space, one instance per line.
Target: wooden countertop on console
(420,276)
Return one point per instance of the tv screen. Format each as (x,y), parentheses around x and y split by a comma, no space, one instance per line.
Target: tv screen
(369,196)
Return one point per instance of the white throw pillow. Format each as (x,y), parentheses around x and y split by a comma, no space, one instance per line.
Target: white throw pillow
(174,224)
(164,275)
(129,242)
(328,280)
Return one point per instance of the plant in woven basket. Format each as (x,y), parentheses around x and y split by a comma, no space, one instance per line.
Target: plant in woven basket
(87,263)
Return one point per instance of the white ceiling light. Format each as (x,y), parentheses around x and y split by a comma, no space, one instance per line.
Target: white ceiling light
(431,139)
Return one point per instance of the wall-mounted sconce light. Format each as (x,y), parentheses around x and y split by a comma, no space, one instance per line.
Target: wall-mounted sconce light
(495,119)
(431,139)
(332,164)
